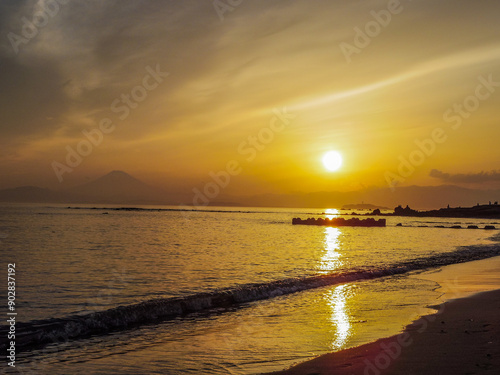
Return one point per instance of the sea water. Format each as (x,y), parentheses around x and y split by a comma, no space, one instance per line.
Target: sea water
(113,290)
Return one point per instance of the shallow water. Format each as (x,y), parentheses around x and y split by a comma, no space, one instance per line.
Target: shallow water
(78,261)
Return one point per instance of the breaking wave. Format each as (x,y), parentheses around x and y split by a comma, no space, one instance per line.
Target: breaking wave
(43,332)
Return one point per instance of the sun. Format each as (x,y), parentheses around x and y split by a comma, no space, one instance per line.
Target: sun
(332,160)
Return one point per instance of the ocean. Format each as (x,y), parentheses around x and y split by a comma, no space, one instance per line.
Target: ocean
(225,290)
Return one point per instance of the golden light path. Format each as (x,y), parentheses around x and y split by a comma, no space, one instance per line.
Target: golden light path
(330,260)
(330,213)
(339,317)
(336,298)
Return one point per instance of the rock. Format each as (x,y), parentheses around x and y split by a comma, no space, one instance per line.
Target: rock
(340,222)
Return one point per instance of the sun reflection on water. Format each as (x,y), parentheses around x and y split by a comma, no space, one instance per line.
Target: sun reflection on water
(330,213)
(339,317)
(336,298)
(330,260)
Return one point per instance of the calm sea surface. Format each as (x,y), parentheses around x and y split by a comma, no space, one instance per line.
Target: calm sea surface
(83,263)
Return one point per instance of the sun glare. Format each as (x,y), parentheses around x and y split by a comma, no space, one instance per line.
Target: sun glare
(332,160)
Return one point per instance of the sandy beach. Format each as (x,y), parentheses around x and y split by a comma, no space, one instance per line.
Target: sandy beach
(462,337)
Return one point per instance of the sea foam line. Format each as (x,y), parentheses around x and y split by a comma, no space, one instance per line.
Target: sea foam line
(42,332)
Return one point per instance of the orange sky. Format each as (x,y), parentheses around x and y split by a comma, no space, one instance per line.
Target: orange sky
(229,69)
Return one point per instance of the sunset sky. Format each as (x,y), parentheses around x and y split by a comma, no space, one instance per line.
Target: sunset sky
(208,75)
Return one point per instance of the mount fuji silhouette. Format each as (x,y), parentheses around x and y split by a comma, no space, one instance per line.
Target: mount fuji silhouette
(116,187)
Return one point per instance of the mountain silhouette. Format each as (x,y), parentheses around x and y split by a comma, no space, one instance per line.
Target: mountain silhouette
(117,187)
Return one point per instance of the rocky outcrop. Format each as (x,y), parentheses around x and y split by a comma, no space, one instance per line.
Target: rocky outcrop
(340,222)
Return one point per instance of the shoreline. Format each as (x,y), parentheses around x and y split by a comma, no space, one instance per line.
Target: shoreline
(461,337)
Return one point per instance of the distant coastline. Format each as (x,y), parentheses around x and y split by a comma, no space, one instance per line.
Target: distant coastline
(485,211)
(363,206)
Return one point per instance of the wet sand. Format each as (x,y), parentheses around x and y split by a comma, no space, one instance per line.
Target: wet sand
(462,337)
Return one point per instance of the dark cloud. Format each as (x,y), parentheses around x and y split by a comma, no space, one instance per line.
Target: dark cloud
(10,18)
(31,97)
(90,53)
(469,178)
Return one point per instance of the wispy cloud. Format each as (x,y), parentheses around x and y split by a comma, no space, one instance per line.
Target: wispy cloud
(480,55)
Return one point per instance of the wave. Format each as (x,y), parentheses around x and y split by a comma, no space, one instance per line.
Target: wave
(56,330)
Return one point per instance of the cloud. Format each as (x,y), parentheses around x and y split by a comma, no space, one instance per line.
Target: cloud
(469,178)
(474,56)
(31,98)
(226,77)
(90,53)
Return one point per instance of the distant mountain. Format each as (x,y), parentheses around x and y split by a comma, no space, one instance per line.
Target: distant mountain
(121,188)
(117,187)
(418,197)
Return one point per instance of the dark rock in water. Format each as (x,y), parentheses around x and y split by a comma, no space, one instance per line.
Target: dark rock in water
(399,225)
(489,227)
(439,226)
(407,211)
(456,227)
(472,227)
(340,222)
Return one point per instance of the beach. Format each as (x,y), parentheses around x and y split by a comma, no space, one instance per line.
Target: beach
(462,337)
